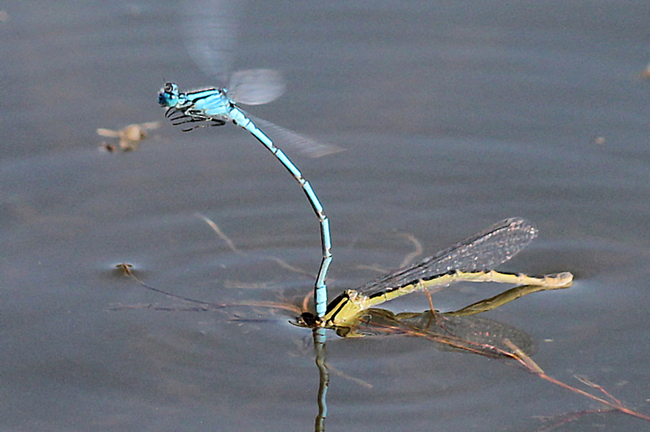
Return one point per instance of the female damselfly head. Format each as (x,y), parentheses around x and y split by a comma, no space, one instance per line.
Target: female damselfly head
(307,319)
(168,96)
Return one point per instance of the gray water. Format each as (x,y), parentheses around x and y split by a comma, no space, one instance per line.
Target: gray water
(454,115)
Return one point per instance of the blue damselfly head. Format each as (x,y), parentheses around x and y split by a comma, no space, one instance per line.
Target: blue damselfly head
(168,96)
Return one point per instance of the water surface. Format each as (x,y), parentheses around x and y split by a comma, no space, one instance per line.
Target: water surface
(454,116)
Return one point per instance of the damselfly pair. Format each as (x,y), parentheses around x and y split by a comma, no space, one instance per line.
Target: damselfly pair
(470,260)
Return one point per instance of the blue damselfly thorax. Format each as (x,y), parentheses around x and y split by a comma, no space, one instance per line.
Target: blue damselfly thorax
(209,107)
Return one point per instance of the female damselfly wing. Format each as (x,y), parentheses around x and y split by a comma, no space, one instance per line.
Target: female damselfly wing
(471,260)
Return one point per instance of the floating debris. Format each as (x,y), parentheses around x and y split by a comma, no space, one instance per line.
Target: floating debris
(129,136)
(598,140)
(646,73)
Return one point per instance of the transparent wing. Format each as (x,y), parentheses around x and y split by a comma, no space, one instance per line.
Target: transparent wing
(474,333)
(210,34)
(290,140)
(256,86)
(484,251)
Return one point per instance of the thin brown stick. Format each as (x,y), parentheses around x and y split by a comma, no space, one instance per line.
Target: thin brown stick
(536,370)
(416,253)
(583,379)
(231,245)
(220,234)
(203,305)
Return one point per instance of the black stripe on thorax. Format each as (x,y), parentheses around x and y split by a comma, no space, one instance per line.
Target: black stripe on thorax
(193,98)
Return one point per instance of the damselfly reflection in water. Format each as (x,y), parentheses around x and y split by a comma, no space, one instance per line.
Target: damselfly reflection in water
(210,28)
(353,313)
(471,260)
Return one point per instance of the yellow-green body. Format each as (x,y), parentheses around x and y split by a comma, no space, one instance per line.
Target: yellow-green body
(344,310)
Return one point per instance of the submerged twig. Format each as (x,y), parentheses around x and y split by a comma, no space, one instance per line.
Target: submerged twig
(231,245)
(408,259)
(203,305)
(615,404)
